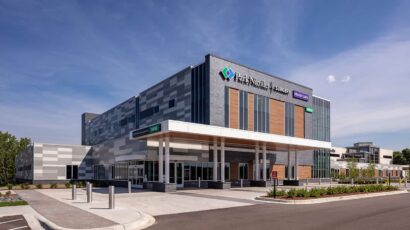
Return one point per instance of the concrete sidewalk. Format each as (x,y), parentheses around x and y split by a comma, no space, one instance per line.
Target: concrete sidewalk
(65,213)
(62,214)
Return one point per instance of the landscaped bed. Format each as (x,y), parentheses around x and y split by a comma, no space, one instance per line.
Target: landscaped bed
(10,199)
(304,194)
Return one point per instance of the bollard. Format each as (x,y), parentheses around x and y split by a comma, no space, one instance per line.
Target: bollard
(89,192)
(377,180)
(199,182)
(86,189)
(307,181)
(74,192)
(320,181)
(129,186)
(405,182)
(111,197)
(352,181)
(241,183)
(330,182)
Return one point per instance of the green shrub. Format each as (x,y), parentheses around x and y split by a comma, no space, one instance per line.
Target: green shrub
(279,193)
(67,185)
(80,184)
(330,191)
(24,186)
(39,186)
(301,192)
(314,192)
(9,186)
(53,186)
(318,192)
(291,193)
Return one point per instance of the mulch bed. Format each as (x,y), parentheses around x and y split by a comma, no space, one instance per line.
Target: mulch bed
(324,196)
(9,198)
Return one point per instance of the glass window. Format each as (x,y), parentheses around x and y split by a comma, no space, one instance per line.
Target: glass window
(192,165)
(186,172)
(68,172)
(205,171)
(199,171)
(243,171)
(75,172)
(226,106)
(171,103)
(227,171)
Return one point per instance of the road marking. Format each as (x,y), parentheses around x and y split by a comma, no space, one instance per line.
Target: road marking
(10,221)
(25,226)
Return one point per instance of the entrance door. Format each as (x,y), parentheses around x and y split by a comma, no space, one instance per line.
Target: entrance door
(136,175)
(176,173)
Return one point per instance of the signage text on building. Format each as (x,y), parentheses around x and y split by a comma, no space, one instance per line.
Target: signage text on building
(228,74)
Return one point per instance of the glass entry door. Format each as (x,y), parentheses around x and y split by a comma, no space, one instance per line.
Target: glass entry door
(176,173)
(136,175)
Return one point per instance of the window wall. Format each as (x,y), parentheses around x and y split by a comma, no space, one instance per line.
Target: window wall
(243,110)
(321,163)
(203,170)
(289,119)
(261,113)
(99,172)
(120,171)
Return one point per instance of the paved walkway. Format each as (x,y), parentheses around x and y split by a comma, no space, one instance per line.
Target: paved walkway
(380,213)
(61,214)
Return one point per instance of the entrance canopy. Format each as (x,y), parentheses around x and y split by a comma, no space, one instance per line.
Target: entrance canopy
(208,133)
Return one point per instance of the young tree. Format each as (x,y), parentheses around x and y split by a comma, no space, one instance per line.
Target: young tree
(10,146)
(371,167)
(352,166)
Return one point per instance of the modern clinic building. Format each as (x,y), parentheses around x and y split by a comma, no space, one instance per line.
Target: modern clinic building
(217,122)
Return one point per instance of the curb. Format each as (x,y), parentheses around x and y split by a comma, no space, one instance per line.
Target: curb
(330,199)
(37,220)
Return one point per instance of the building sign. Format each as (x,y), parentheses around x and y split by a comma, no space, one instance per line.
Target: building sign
(309,110)
(146,131)
(300,95)
(228,74)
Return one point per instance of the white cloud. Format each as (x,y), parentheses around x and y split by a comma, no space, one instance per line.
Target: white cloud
(346,79)
(331,78)
(377,101)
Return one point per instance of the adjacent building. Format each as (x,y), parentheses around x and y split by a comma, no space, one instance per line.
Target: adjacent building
(365,153)
(218,122)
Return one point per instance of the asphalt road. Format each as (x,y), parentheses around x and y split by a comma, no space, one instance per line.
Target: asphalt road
(389,212)
(13,222)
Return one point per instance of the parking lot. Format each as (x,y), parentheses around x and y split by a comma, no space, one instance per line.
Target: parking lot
(13,223)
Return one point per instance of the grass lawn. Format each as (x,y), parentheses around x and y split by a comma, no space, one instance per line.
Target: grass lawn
(13,203)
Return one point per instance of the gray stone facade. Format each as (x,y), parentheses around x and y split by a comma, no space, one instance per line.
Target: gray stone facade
(217,87)
(114,123)
(47,162)
(176,88)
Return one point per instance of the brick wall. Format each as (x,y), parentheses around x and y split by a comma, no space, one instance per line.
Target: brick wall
(281,171)
(305,171)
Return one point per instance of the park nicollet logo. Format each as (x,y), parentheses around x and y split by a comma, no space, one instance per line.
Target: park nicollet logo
(228,74)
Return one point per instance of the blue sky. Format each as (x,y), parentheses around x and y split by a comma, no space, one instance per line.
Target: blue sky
(59,59)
